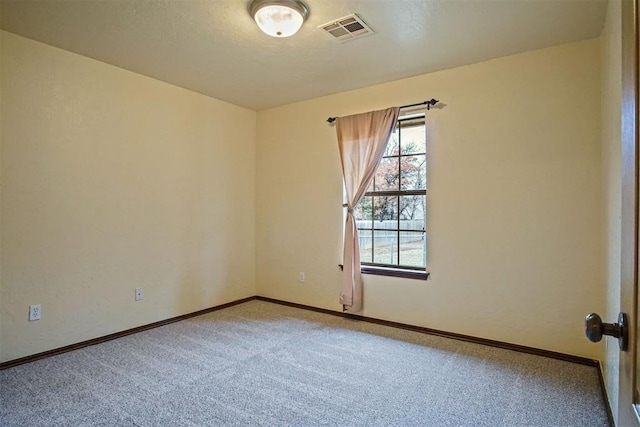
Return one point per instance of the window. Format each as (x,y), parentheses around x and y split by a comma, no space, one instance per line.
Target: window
(391,215)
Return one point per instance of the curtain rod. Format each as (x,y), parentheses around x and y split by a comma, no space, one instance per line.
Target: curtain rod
(428,103)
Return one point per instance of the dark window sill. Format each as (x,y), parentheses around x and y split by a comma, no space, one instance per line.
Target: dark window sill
(393,272)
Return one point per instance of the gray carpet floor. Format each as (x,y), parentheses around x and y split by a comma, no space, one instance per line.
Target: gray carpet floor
(263,364)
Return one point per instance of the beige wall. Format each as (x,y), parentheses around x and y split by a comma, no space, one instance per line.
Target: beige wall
(111,181)
(611,40)
(514,216)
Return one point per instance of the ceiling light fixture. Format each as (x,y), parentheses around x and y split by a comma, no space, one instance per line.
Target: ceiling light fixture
(279,18)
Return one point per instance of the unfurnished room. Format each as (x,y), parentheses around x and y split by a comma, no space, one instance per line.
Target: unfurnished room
(319,212)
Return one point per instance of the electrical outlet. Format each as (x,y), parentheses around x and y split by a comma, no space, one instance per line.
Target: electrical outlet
(138,294)
(35,311)
(301,277)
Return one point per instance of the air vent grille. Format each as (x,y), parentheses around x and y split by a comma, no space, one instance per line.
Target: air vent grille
(347,28)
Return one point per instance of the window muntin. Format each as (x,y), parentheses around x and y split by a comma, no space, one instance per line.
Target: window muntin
(391,216)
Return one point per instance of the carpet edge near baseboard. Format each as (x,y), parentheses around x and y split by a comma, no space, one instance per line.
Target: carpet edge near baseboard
(420,329)
(461,337)
(116,335)
(605,395)
(491,343)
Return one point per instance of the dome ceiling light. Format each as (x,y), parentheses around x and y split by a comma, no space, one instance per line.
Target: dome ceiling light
(279,18)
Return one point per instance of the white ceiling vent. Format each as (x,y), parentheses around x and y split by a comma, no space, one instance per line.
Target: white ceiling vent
(347,28)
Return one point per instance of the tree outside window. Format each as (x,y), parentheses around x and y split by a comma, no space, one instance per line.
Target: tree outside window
(391,215)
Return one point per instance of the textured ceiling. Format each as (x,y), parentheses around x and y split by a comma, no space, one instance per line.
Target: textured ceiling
(214,47)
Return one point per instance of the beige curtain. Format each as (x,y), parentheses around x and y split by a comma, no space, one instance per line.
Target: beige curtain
(362,139)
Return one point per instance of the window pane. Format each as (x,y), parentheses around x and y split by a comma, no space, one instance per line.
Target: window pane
(364,238)
(363,212)
(385,212)
(385,247)
(413,138)
(387,175)
(392,145)
(412,212)
(414,172)
(413,249)
(391,228)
